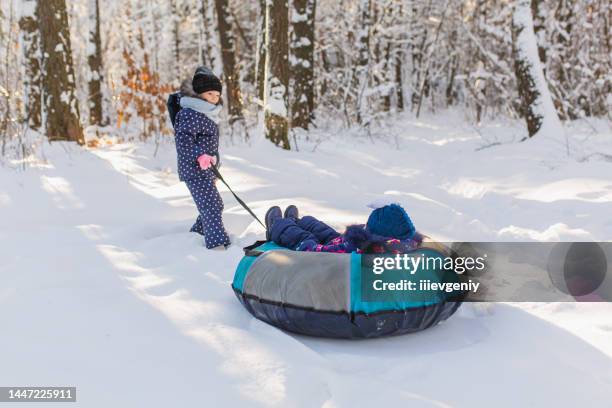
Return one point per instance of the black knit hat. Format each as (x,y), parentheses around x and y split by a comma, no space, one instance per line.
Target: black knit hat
(204,80)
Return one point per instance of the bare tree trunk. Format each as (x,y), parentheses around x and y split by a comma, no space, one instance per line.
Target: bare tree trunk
(399,64)
(399,80)
(30,38)
(360,76)
(176,34)
(564,17)
(536,103)
(424,86)
(9,112)
(260,65)
(58,73)
(277,73)
(450,88)
(228,56)
(94,59)
(302,46)
(386,69)
(453,64)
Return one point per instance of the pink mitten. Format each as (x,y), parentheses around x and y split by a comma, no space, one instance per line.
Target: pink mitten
(205,161)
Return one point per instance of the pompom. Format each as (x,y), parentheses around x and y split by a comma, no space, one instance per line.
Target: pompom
(383,201)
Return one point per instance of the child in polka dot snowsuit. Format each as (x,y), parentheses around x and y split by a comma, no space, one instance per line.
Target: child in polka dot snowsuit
(197,145)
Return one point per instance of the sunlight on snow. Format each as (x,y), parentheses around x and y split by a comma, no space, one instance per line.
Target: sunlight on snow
(157,184)
(442,142)
(469,188)
(166,185)
(92,231)
(264,382)
(556,232)
(403,172)
(227,157)
(582,189)
(417,196)
(61,192)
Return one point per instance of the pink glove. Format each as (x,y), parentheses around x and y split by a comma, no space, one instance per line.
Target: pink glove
(206,161)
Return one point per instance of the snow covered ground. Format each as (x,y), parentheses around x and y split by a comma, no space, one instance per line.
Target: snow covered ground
(103,288)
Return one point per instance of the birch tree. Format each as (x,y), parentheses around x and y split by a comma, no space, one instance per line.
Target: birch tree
(61,108)
(536,103)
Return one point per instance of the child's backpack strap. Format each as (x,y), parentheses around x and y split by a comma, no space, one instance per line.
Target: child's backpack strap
(174,106)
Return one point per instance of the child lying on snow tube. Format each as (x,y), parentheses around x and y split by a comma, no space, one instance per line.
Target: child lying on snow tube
(389,230)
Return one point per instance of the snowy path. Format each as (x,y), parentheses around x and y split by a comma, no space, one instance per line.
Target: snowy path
(103,290)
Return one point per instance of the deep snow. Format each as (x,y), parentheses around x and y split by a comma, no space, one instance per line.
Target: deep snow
(103,288)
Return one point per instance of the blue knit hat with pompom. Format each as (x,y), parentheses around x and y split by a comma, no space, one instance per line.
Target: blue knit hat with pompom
(391,221)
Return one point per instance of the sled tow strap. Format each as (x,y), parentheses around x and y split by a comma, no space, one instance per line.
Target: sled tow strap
(242,203)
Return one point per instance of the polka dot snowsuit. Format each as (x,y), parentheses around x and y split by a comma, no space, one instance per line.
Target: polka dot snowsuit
(196,135)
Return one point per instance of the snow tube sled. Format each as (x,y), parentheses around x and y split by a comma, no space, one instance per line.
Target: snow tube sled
(318,294)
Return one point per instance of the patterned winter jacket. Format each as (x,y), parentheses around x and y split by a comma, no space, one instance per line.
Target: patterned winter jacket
(358,239)
(195,135)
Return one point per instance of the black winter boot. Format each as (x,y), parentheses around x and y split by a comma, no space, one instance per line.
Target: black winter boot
(292,212)
(273,214)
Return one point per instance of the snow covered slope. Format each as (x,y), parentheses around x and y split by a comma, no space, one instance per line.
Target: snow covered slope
(103,288)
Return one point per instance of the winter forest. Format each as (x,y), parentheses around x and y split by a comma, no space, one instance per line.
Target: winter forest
(123,269)
(74,70)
